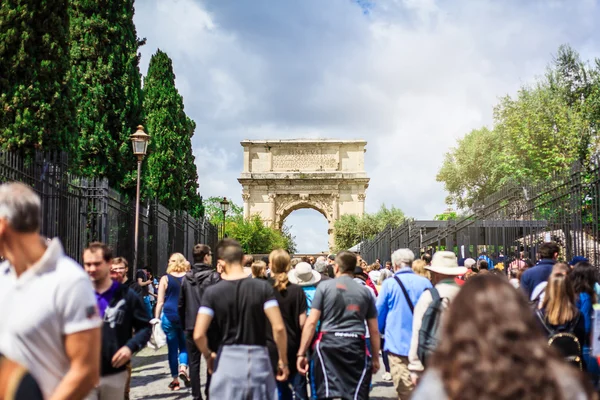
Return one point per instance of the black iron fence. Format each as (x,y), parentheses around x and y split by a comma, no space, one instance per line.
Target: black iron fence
(511,223)
(79,210)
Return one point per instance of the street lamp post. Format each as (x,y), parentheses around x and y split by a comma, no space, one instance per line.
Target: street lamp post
(139,141)
(224,207)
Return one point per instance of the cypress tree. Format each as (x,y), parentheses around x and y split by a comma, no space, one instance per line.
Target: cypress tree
(35,99)
(171,174)
(107,87)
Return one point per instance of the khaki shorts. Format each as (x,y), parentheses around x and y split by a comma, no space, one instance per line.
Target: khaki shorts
(401,375)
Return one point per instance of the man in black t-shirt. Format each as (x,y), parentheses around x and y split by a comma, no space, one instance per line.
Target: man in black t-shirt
(143,282)
(119,270)
(342,364)
(240,308)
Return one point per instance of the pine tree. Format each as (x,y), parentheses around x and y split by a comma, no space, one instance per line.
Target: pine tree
(35,100)
(107,87)
(171,174)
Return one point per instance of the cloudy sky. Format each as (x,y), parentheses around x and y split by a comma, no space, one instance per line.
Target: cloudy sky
(409,76)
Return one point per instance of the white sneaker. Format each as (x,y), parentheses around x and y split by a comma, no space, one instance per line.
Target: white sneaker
(387,377)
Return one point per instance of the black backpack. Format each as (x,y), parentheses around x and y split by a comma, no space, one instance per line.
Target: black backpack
(430,325)
(564,340)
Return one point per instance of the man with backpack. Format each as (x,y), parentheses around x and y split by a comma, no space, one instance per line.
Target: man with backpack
(395,306)
(429,309)
(193,286)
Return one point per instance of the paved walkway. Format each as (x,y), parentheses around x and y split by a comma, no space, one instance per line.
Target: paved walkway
(151,379)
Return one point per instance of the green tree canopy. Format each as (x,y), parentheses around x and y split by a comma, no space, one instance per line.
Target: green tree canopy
(212,210)
(448,215)
(35,92)
(540,131)
(351,229)
(470,171)
(106,87)
(257,238)
(171,174)
(254,236)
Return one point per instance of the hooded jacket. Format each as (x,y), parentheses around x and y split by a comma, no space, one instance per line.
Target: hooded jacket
(361,275)
(125,313)
(193,286)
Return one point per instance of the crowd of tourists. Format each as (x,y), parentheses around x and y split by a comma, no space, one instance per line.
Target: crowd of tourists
(291,328)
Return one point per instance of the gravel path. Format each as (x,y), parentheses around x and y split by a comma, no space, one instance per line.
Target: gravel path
(151,378)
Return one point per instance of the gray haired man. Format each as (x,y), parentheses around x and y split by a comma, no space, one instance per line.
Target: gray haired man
(50,322)
(395,307)
(321,267)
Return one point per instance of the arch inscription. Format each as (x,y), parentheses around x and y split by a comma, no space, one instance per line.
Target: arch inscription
(281,176)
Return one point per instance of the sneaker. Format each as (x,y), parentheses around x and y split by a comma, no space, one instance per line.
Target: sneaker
(387,377)
(183,375)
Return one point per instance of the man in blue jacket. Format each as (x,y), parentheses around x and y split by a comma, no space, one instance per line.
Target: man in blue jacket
(548,253)
(395,306)
(488,260)
(123,312)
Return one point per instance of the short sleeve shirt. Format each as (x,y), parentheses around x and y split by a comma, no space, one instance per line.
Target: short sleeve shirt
(16,383)
(292,303)
(51,299)
(238,310)
(144,277)
(344,305)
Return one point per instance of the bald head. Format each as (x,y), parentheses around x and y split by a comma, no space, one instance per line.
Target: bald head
(21,207)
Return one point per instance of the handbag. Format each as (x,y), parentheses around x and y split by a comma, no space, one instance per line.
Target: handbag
(158,338)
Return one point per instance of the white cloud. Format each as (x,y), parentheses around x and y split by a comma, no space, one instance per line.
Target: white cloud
(410,76)
(217,168)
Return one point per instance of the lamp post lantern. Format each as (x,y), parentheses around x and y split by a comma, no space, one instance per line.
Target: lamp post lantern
(224,207)
(139,141)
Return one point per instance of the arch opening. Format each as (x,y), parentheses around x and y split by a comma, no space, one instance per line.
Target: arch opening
(310,229)
(300,206)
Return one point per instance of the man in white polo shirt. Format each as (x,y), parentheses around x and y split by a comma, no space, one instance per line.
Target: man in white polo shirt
(49,320)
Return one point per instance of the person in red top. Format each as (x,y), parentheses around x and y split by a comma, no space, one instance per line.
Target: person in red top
(359,263)
(365,277)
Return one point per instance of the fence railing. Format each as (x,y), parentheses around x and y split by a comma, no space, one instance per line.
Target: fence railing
(514,220)
(80,210)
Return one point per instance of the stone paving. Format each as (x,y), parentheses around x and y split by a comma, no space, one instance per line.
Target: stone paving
(151,378)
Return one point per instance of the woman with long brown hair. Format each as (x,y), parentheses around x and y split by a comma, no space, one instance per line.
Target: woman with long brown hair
(292,303)
(491,347)
(559,312)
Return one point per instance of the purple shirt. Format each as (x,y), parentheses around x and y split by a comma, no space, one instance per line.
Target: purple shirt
(103,299)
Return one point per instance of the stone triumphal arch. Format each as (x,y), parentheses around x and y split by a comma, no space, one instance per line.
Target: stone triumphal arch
(281,176)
